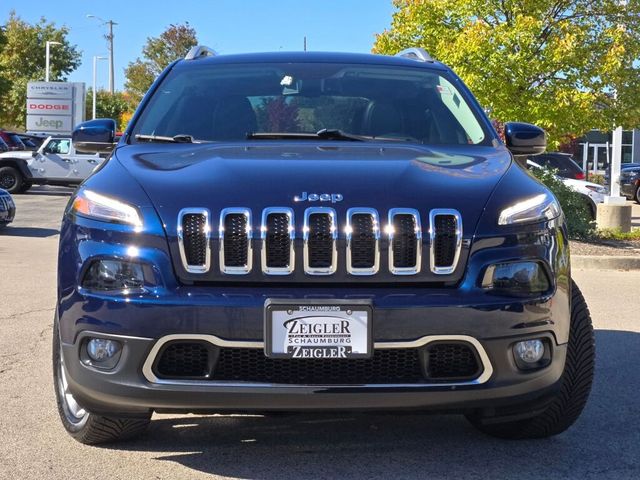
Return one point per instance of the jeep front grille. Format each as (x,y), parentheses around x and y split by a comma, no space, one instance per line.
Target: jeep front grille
(363,236)
(445,236)
(278,235)
(235,241)
(193,239)
(438,362)
(320,232)
(405,241)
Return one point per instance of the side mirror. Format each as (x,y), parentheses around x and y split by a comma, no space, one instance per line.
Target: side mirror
(524,138)
(95,136)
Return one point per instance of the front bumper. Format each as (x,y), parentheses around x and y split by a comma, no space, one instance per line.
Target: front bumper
(131,388)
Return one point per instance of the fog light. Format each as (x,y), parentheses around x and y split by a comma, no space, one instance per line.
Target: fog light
(529,351)
(101,349)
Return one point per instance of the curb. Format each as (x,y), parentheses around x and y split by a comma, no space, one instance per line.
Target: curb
(605,262)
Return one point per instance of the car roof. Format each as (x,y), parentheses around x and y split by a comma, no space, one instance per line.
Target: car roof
(313,57)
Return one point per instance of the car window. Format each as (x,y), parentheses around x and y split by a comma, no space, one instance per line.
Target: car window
(213,102)
(15,139)
(59,146)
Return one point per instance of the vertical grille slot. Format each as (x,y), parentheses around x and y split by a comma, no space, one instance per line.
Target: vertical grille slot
(235,241)
(193,239)
(278,234)
(405,242)
(363,234)
(320,234)
(446,240)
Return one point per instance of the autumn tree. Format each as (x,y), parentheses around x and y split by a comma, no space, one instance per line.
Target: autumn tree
(566,65)
(22,59)
(157,54)
(108,105)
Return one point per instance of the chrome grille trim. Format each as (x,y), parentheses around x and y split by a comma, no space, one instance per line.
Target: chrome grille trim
(432,236)
(243,270)
(334,235)
(292,235)
(147,367)
(376,233)
(390,230)
(207,232)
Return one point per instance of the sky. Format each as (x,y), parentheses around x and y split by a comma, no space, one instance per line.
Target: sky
(227,26)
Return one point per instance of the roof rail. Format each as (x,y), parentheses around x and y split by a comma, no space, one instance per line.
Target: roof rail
(199,51)
(419,54)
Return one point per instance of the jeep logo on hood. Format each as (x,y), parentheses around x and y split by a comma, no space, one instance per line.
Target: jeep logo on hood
(318,197)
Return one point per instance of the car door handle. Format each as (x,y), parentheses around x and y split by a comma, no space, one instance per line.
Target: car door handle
(91,160)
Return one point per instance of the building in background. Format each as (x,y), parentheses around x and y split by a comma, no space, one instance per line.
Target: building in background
(593,150)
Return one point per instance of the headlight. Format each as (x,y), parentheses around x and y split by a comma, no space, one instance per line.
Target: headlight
(516,278)
(93,205)
(117,275)
(535,209)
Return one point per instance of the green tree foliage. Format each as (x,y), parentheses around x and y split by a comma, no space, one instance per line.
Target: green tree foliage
(108,105)
(22,59)
(566,65)
(157,54)
(4,82)
(574,205)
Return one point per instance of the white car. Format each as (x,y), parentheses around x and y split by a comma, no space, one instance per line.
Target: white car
(593,191)
(56,162)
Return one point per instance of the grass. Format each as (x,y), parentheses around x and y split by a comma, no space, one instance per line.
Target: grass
(616,234)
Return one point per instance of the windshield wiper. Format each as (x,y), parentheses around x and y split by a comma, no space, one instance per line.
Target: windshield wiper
(324,134)
(336,134)
(159,138)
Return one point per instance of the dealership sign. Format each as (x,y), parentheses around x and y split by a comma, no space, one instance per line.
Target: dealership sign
(54,107)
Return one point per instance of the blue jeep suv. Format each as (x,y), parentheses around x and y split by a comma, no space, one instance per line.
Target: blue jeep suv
(315,232)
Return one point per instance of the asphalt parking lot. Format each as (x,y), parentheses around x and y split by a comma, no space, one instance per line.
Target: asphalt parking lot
(605,443)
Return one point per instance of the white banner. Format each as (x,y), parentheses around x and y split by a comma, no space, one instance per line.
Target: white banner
(60,90)
(49,107)
(49,123)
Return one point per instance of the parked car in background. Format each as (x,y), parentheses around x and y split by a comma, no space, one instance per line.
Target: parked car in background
(592,192)
(3,146)
(630,183)
(564,163)
(32,142)
(7,208)
(56,162)
(13,140)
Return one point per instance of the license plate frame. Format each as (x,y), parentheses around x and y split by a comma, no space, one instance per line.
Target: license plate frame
(324,312)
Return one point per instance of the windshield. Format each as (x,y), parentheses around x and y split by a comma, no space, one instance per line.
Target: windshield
(231,102)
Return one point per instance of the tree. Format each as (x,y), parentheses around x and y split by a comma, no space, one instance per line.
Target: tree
(115,106)
(566,65)
(23,59)
(158,53)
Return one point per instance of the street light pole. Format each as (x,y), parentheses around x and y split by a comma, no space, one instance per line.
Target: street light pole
(95,69)
(47,59)
(109,37)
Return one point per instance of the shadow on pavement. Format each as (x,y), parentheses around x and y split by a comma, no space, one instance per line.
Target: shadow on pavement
(33,232)
(66,192)
(603,443)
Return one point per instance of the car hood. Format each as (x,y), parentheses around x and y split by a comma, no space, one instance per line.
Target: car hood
(259,176)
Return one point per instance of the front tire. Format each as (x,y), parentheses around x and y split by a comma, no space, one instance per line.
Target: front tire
(567,404)
(10,179)
(637,195)
(84,426)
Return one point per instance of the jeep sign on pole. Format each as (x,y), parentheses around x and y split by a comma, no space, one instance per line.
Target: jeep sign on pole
(54,107)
